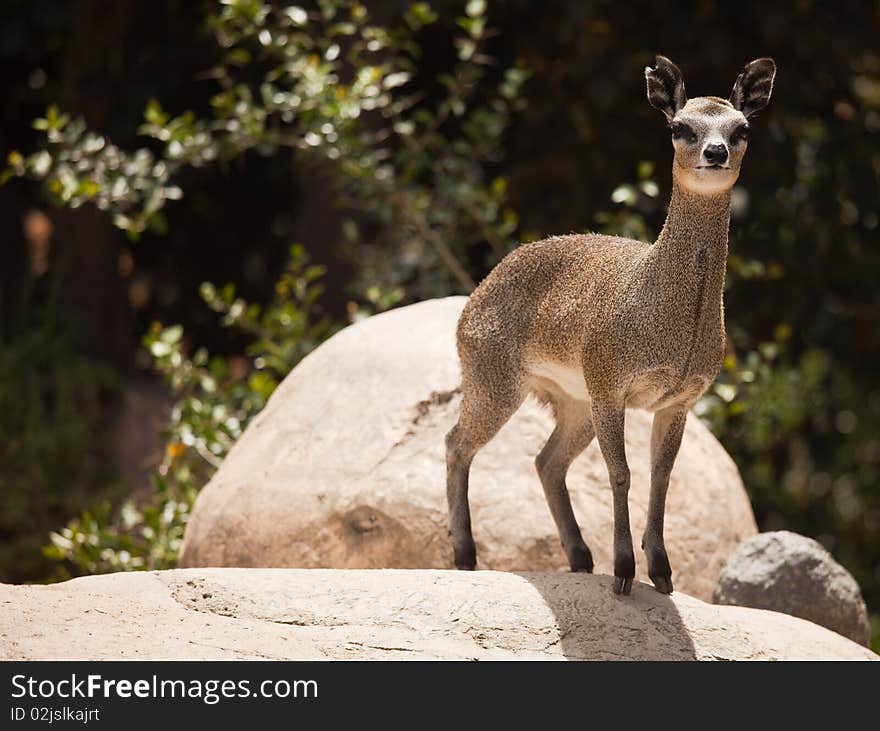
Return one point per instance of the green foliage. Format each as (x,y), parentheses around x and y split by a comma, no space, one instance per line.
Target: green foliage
(129,538)
(334,87)
(628,219)
(216,399)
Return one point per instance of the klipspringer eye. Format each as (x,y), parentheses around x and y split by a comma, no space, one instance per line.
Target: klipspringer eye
(681,131)
(740,134)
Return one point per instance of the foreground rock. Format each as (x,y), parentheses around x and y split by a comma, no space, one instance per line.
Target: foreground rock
(787,572)
(332,614)
(345,468)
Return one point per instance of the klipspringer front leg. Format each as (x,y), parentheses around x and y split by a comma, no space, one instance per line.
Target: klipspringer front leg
(666,435)
(608,421)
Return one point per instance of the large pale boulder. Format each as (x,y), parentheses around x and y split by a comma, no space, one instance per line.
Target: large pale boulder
(345,468)
(301,614)
(790,573)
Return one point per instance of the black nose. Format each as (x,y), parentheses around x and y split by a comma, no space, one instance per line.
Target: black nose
(715,154)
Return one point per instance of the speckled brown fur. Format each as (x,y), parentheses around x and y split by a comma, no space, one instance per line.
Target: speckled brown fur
(593,325)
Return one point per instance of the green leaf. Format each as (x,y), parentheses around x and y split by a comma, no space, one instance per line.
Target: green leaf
(624,194)
(396,79)
(208,292)
(40,163)
(238,57)
(296,14)
(88,188)
(726,391)
(159,349)
(172,335)
(475,8)
(419,15)
(154,114)
(649,188)
(466,48)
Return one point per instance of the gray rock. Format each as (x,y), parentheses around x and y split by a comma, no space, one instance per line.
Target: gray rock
(789,573)
(333,614)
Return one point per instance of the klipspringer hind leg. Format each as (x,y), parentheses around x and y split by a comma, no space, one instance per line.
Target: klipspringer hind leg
(572,435)
(483,413)
(666,434)
(608,421)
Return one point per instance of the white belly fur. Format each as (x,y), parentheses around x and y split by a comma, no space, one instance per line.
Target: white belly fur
(651,391)
(568,379)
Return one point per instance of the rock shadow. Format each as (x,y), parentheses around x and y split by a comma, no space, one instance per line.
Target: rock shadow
(596,624)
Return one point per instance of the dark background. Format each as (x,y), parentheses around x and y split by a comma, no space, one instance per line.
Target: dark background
(807,441)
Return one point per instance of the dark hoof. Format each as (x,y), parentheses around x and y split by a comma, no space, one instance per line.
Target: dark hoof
(580,559)
(465,556)
(663,584)
(659,570)
(621,585)
(624,572)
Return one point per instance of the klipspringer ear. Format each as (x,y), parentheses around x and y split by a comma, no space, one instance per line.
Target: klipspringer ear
(665,87)
(751,92)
